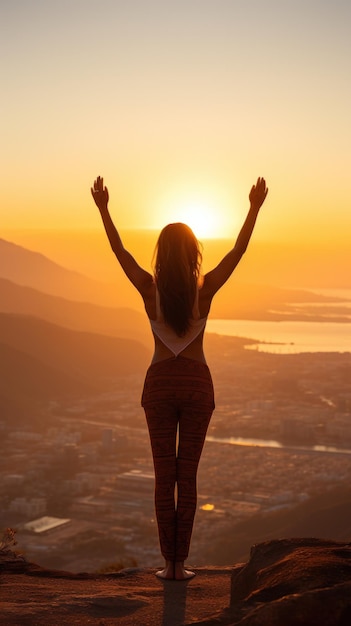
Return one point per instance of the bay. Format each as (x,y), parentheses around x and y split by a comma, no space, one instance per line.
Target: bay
(267,443)
(287,337)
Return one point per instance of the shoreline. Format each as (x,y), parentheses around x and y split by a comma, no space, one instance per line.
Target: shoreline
(289,335)
(283,317)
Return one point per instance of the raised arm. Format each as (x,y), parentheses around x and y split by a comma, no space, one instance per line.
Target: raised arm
(220,274)
(140,278)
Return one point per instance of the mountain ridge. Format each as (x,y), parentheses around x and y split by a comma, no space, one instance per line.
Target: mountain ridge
(235,300)
(48,341)
(34,269)
(295,582)
(40,361)
(119,322)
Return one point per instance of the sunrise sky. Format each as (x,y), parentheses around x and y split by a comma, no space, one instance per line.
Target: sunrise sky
(180,106)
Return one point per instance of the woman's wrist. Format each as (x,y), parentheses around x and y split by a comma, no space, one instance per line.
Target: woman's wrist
(103,208)
(253,208)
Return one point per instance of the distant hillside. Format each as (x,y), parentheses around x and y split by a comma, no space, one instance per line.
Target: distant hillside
(26,384)
(82,316)
(33,269)
(88,355)
(263,302)
(236,300)
(303,263)
(39,361)
(326,515)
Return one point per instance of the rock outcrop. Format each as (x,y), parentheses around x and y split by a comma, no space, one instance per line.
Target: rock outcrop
(288,582)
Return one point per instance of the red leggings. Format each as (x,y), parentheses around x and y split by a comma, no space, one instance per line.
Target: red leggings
(178,399)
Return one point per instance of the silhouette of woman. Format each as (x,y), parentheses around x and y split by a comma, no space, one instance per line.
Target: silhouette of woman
(178,396)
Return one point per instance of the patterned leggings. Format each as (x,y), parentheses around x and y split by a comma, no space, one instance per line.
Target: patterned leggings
(178,401)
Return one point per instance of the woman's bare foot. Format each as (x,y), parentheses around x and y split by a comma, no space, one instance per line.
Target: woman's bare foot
(175,571)
(180,573)
(168,572)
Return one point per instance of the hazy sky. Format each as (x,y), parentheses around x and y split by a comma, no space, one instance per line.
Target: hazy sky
(180,105)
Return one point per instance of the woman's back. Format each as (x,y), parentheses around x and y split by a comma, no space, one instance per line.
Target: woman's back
(167,343)
(177,269)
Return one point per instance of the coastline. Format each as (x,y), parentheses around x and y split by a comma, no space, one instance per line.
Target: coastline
(286,336)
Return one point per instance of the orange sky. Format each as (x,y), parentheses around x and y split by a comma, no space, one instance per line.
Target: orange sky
(180,106)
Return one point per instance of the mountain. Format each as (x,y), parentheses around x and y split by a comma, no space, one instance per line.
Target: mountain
(236,300)
(26,383)
(90,356)
(33,269)
(324,515)
(40,361)
(125,323)
(286,582)
(263,302)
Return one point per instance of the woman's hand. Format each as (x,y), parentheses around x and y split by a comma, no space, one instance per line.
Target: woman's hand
(100,193)
(258,194)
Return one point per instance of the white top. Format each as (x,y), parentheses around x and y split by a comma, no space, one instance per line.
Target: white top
(169,337)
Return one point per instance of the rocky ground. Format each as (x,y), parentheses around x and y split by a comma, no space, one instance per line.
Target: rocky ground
(288,582)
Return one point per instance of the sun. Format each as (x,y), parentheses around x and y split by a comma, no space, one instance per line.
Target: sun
(204,215)
(207,206)
(201,218)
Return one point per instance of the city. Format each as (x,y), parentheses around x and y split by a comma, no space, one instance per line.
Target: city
(78,488)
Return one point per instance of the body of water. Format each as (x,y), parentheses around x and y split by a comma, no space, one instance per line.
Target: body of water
(267,443)
(287,337)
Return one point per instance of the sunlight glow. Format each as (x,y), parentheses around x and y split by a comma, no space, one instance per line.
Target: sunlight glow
(201,218)
(205,213)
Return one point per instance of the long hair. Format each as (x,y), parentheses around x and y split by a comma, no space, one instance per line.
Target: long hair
(177,263)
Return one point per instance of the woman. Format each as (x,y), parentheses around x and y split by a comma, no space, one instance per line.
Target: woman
(178,394)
